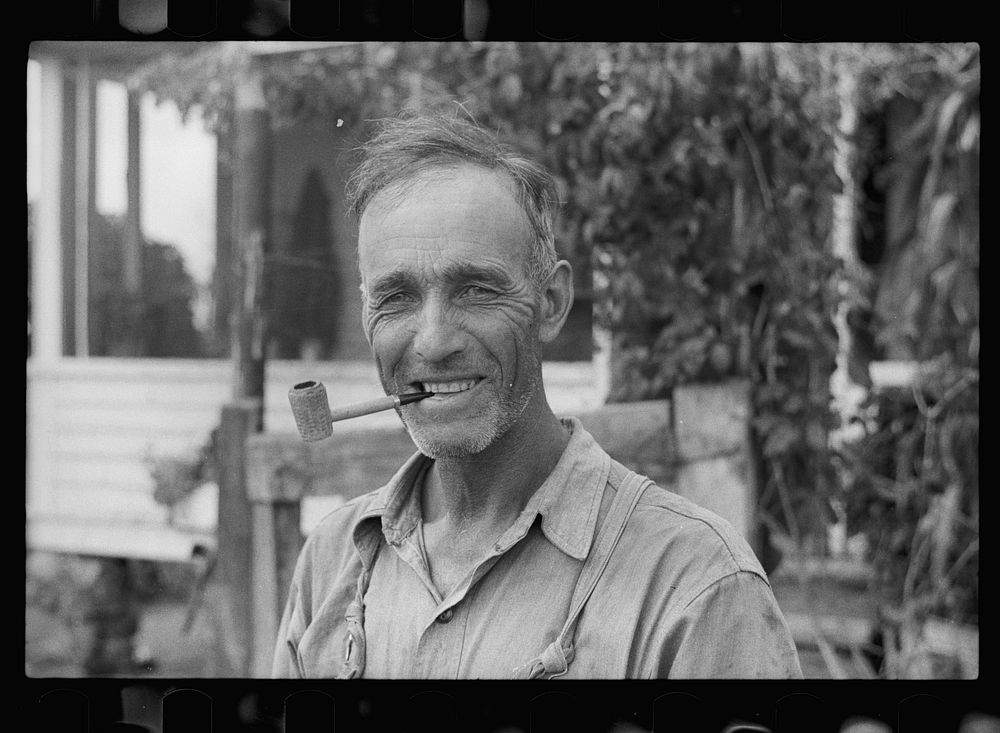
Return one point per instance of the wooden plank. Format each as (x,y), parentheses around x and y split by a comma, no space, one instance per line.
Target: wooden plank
(93,422)
(113,508)
(72,487)
(638,434)
(163,394)
(98,471)
(842,632)
(192,381)
(284,468)
(105,538)
(126,370)
(124,444)
(43,418)
(841,570)
(722,485)
(711,420)
(114,419)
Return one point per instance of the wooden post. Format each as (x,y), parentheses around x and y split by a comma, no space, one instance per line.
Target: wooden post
(275,486)
(277,540)
(711,428)
(46,254)
(133,219)
(252,209)
(67,209)
(86,123)
(238,522)
(47,294)
(231,594)
(223,281)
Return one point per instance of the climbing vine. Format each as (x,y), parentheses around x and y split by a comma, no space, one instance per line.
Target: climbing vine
(697,183)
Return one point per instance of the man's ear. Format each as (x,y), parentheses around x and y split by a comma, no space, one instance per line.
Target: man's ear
(557,299)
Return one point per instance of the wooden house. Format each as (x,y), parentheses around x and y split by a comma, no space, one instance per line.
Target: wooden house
(95,423)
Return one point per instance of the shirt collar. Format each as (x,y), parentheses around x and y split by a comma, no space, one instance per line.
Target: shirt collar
(568,500)
(396,505)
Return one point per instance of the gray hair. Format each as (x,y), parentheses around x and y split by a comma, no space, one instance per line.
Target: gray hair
(409,145)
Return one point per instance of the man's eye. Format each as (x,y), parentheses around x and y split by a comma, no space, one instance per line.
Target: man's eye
(392,299)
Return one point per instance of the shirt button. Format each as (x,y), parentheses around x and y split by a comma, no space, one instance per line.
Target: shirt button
(445,616)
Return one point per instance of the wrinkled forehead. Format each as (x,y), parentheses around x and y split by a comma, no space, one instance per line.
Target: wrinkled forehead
(464,209)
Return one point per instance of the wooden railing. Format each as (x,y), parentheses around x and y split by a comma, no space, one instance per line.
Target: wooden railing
(696,444)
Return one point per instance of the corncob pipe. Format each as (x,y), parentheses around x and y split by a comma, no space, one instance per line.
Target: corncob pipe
(313,415)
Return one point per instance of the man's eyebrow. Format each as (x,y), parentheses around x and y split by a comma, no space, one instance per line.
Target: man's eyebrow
(391,281)
(466,271)
(453,273)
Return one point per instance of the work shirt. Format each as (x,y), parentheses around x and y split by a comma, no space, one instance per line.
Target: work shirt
(682,596)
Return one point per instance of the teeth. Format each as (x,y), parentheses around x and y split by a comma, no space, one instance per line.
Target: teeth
(446,387)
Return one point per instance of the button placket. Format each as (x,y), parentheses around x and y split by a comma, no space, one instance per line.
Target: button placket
(441,647)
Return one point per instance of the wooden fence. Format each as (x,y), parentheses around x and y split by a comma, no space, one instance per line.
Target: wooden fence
(696,444)
(93,423)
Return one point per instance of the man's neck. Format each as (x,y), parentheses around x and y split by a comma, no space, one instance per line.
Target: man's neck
(489,489)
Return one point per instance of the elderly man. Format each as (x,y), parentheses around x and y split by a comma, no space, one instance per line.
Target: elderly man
(510,544)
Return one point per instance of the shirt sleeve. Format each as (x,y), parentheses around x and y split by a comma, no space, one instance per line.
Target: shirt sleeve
(731,630)
(285,663)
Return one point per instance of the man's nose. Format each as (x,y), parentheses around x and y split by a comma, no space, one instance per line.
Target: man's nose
(438,336)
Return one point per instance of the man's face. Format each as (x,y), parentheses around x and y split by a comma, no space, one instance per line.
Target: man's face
(449,307)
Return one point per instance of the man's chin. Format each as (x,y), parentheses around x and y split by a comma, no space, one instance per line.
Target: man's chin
(444,446)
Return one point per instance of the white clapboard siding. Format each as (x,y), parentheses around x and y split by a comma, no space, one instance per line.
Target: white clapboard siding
(93,424)
(119,504)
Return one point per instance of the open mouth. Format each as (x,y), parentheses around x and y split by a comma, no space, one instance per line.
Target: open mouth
(443,389)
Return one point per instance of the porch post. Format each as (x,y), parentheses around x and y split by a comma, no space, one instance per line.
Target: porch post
(46,252)
(133,211)
(86,123)
(252,211)
(240,590)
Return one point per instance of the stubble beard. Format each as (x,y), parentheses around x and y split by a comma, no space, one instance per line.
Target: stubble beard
(498,417)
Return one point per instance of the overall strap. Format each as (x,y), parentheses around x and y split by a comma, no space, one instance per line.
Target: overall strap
(355,651)
(555,659)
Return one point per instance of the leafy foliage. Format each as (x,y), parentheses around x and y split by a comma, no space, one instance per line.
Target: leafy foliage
(928,299)
(913,478)
(697,185)
(914,492)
